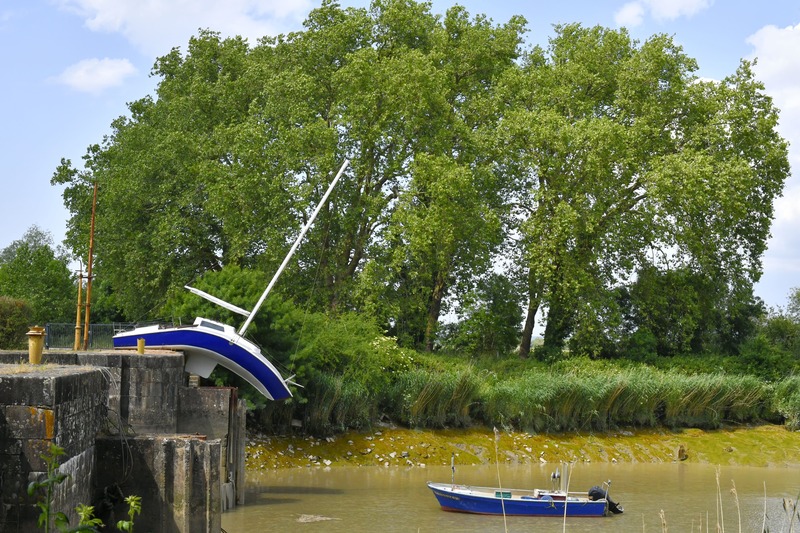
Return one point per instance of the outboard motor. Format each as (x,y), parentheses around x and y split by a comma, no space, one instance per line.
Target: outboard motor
(599,493)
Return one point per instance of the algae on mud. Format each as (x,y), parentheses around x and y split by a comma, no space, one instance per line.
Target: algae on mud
(765,445)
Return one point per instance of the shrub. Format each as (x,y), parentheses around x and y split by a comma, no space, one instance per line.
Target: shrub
(15,317)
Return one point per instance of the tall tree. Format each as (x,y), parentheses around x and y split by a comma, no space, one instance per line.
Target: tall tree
(626,159)
(157,226)
(223,166)
(448,221)
(33,271)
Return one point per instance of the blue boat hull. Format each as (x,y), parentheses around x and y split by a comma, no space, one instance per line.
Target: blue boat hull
(205,347)
(478,500)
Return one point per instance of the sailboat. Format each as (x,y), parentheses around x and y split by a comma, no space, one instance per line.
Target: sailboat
(207,343)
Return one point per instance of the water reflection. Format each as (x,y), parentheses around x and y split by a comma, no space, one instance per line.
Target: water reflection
(347,499)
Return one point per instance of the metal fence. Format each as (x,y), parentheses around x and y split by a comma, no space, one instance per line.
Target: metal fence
(62,336)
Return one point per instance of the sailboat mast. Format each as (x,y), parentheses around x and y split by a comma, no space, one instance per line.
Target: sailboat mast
(293,249)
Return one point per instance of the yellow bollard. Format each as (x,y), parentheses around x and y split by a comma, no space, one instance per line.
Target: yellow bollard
(140,346)
(35,344)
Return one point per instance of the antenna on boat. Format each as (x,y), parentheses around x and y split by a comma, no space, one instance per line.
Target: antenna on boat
(293,249)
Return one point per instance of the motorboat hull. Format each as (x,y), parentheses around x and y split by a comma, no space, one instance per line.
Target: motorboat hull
(515,502)
(206,344)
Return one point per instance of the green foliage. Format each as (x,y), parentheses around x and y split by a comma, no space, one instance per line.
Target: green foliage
(47,518)
(87,518)
(338,403)
(47,485)
(491,320)
(787,401)
(349,345)
(708,399)
(220,168)
(422,397)
(770,360)
(31,270)
(134,508)
(625,158)
(15,318)
(582,395)
(782,330)
(793,308)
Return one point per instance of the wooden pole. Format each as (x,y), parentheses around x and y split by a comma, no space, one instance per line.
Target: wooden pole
(89,272)
(77,345)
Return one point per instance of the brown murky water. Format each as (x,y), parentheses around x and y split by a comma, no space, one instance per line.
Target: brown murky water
(377,499)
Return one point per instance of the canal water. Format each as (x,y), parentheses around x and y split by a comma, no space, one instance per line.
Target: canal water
(676,497)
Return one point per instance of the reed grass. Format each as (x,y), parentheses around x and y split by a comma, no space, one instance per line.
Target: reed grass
(644,397)
(582,396)
(338,403)
(422,398)
(786,401)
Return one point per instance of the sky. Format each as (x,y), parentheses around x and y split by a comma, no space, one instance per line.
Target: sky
(70,67)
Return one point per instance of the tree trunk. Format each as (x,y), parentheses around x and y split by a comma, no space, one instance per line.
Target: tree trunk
(434,308)
(527,331)
(534,300)
(559,325)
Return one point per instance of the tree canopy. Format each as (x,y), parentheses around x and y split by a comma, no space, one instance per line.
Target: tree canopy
(33,272)
(584,171)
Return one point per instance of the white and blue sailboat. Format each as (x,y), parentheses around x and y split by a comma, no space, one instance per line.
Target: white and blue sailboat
(208,343)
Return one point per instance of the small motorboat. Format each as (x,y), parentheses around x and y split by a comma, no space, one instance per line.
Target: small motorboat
(525,502)
(207,343)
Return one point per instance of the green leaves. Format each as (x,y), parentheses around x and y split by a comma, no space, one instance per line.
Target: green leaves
(626,161)
(33,271)
(577,166)
(134,508)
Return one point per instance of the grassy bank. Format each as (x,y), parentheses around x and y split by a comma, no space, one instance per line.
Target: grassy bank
(763,445)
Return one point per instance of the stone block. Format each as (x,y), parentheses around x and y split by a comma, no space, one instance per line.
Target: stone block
(29,388)
(176,476)
(28,421)
(205,411)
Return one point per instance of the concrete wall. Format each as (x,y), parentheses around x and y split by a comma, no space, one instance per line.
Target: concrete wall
(218,413)
(133,429)
(41,406)
(176,476)
(142,391)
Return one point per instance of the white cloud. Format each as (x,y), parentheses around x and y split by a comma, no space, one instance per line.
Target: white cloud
(778,67)
(673,9)
(96,75)
(630,15)
(633,13)
(155,27)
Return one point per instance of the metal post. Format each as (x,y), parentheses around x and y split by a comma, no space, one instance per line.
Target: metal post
(89,272)
(77,345)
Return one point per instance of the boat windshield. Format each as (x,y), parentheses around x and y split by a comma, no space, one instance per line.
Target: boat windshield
(211,325)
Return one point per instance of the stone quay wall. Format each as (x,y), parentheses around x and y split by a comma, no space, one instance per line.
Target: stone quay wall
(63,406)
(129,426)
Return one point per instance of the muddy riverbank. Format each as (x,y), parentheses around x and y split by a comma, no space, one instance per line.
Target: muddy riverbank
(765,445)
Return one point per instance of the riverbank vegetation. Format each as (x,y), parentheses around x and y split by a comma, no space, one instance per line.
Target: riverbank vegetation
(596,190)
(573,393)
